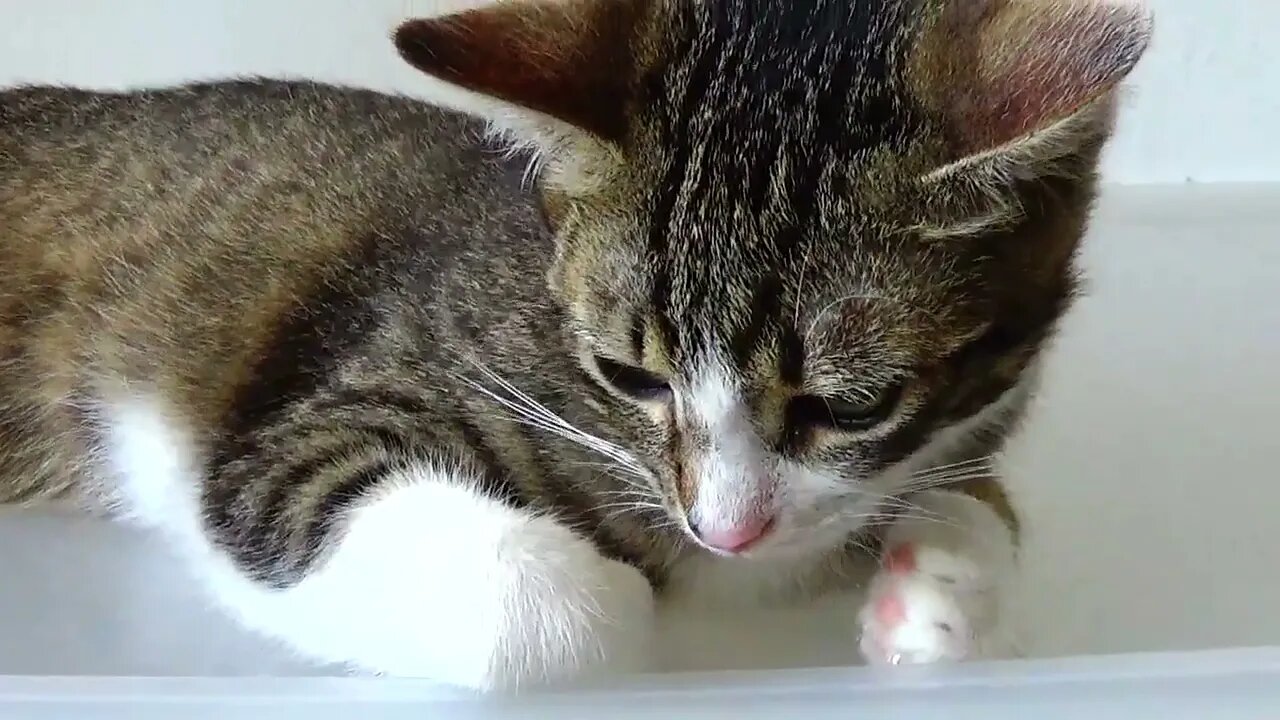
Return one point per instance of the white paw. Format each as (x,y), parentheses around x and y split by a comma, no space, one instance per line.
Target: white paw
(934,598)
(926,605)
(434,580)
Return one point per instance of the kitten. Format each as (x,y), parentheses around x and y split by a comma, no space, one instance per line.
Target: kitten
(776,299)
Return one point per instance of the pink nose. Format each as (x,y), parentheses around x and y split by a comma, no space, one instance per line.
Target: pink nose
(739,537)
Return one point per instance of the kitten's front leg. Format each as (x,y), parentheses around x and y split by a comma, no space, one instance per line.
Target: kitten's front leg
(934,597)
(426,576)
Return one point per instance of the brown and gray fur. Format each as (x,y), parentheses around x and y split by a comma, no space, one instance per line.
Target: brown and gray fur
(316,279)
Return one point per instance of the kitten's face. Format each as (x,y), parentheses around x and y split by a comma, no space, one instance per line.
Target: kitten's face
(777,334)
(788,376)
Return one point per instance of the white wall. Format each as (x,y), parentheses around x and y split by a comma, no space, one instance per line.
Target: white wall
(1201,108)
(1206,98)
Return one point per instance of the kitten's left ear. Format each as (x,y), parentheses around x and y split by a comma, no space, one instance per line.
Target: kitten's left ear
(1020,83)
(543,70)
(1018,90)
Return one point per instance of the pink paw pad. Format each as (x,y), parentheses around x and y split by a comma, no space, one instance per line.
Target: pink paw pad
(901,560)
(890,610)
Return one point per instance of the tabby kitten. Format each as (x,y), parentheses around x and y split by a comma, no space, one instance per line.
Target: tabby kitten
(778,293)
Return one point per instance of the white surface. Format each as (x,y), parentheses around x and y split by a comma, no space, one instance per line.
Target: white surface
(1200,108)
(1223,685)
(1145,476)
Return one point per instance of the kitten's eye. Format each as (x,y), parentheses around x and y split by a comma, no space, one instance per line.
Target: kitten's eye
(630,380)
(842,414)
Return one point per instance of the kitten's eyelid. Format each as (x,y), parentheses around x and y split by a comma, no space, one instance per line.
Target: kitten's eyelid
(850,414)
(636,382)
(626,361)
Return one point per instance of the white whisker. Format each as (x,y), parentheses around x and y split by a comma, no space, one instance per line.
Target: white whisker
(533,413)
(639,492)
(637,506)
(556,429)
(985,461)
(946,481)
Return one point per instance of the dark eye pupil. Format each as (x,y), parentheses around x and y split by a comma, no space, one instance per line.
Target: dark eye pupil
(842,414)
(633,381)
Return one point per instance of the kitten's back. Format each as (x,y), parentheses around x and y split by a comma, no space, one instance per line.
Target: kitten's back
(162,237)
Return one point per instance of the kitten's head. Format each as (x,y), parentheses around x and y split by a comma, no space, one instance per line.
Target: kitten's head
(804,245)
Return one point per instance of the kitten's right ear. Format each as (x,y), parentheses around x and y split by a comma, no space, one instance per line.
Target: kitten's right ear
(542,70)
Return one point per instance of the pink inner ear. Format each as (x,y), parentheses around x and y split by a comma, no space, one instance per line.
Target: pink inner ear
(567,59)
(1039,63)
